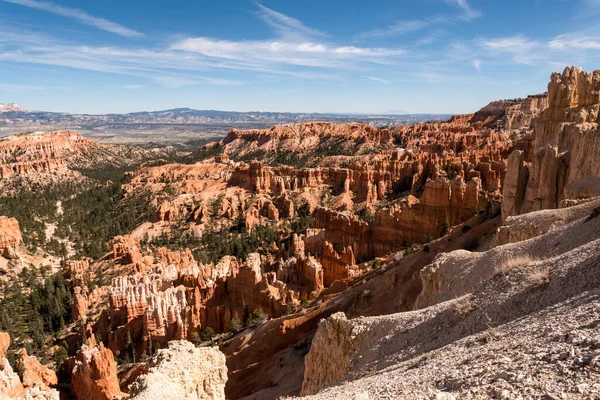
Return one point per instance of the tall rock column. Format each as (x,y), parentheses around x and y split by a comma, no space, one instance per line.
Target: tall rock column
(95,374)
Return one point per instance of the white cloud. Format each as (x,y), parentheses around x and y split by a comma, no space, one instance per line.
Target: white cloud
(78,15)
(294,45)
(403,27)
(467,10)
(133,87)
(172,69)
(575,41)
(284,25)
(377,80)
(519,49)
(279,51)
(477,64)
(512,44)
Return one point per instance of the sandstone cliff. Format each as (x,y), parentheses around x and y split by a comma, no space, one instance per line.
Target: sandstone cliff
(41,157)
(566,144)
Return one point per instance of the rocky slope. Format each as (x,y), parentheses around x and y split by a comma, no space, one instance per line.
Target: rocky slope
(526,312)
(10,242)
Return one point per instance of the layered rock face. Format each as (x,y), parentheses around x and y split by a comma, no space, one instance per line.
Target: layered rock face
(443,204)
(95,374)
(185,372)
(304,136)
(10,236)
(40,155)
(565,164)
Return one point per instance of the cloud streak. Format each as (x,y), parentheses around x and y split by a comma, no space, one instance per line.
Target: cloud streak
(286,26)
(305,54)
(404,27)
(295,44)
(79,15)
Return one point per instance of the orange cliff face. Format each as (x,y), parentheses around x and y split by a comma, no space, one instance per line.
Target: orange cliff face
(565,165)
(10,242)
(172,297)
(10,236)
(451,169)
(301,135)
(41,157)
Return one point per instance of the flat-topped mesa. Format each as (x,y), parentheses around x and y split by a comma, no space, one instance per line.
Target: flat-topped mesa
(307,131)
(566,162)
(31,154)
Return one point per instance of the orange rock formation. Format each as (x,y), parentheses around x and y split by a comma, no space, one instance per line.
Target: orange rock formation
(566,146)
(95,374)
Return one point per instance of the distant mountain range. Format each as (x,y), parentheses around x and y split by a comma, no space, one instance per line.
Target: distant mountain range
(14,115)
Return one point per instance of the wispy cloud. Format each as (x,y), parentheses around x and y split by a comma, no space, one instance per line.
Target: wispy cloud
(519,48)
(283,52)
(78,15)
(171,69)
(512,44)
(575,41)
(375,79)
(403,27)
(295,50)
(468,12)
(294,44)
(286,26)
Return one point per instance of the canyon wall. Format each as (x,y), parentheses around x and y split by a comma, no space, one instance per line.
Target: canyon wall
(565,163)
(41,156)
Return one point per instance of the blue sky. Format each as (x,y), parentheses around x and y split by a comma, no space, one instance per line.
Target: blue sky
(427,56)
